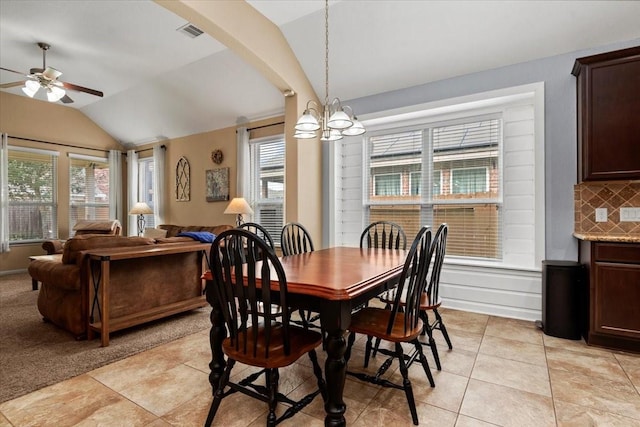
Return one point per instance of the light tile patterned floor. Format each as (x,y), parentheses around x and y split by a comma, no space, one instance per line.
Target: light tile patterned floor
(500,372)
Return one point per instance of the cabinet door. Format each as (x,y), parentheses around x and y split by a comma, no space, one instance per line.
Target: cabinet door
(608,115)
(616,305)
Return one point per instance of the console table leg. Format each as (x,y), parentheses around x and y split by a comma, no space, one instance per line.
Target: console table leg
(104,293)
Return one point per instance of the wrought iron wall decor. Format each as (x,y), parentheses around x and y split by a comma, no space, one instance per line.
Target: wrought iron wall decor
(183,180)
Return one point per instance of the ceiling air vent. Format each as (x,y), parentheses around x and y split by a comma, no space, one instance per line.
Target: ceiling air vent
(190,30)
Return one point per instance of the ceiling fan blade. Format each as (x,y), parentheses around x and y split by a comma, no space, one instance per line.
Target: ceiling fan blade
(71,86)
(66,100)
(8,85)
(12,71)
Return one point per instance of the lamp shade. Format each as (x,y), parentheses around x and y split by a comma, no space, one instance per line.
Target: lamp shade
(355,130)
(238,206)
(140,208)
(30,88)
(339,120)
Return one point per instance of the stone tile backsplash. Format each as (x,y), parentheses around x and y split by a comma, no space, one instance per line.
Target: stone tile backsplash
(611,195)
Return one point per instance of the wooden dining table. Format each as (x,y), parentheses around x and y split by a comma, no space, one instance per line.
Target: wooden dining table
(333,282)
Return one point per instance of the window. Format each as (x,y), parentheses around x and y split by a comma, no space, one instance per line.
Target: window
(32,194)
(89,188)
(458,161)
(388,184)
(145,188)
(469,181)
(266,178)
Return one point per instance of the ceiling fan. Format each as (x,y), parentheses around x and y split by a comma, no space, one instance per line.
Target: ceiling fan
(46,78)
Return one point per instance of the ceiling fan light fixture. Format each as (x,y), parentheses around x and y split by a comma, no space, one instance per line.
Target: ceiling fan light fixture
(30,88)
(51,73)
(29,92)
(54,94)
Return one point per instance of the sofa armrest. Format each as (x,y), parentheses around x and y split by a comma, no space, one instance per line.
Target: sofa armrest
(55,273)
(53,246)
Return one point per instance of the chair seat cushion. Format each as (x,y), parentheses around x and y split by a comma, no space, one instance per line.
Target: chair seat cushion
(302,341)
(373,321)
(389,297)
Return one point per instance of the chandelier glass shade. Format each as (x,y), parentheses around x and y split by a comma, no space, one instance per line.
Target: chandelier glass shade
(330,120)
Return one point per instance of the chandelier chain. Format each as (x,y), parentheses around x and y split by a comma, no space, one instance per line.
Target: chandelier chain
(326,52)
(330,119)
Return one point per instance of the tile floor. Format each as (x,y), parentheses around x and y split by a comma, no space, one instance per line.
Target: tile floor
(500,372)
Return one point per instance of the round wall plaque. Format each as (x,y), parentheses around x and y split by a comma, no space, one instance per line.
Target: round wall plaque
(217,156)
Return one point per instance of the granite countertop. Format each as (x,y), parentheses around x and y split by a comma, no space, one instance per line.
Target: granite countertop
(599,237)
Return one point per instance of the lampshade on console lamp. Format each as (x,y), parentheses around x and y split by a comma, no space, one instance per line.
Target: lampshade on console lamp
(141,209)
(238,206)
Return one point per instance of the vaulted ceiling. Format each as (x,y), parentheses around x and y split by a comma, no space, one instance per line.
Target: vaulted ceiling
(159,83)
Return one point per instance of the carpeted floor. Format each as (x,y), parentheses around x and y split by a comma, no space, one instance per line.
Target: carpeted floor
(34,354)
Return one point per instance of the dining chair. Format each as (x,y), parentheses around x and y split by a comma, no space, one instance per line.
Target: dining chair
(262,232)
(430,300)
(294,240)
(401,323)
(262,338)
(383,234)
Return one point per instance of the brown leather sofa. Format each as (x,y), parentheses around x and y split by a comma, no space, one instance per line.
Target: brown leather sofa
(136,284)
(174,230)
(82,226)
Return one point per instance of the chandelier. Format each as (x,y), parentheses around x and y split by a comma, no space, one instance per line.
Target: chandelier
(330,120)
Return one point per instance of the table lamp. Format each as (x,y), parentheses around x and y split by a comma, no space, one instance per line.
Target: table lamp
(140,209)
(238,206)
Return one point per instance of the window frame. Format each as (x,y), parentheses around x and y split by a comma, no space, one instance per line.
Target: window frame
(145,188)
(427,204)
(524,247)
(77,206)
(52,204)
(257,203)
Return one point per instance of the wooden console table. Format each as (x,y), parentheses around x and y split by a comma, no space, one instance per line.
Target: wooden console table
(98,302)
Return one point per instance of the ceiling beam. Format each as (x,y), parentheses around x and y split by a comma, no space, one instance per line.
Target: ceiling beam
(253,37)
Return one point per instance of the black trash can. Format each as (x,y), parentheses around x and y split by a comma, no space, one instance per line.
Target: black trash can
(562,299)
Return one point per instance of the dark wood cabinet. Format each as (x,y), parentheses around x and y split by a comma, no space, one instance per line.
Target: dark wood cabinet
(614,294)
(608,94)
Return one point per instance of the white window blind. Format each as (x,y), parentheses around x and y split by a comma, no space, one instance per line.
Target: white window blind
(88,189)
(32,194)
(467,156)
(266,180)
(396,154)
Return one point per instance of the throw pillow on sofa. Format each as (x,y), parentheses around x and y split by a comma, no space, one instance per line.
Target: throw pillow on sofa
(155,233)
